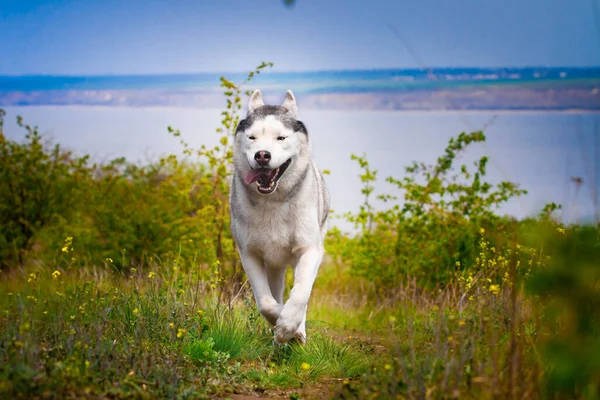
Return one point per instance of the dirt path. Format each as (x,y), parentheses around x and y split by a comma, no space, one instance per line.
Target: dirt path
(317,392)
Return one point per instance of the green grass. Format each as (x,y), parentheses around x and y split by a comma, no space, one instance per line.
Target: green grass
(239,335)
(84,335)
(295,366)
(166,333)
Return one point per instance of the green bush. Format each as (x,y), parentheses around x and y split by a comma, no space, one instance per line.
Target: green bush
(568,288)
(435,232)
(56,206)
(41,186)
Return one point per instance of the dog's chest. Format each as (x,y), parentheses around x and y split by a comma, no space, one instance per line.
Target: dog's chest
(272,232)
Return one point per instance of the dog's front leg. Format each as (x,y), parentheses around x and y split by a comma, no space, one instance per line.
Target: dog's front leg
(292,320)
(257,275)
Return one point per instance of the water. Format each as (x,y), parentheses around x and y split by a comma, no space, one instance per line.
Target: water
(540,151)
(307,82)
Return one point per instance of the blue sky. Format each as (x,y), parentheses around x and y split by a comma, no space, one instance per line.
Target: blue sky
(183,36)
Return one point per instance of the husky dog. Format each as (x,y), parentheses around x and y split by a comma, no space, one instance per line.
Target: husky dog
(279,206)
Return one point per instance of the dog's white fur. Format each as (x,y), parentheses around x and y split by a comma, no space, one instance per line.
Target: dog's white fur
(286,227)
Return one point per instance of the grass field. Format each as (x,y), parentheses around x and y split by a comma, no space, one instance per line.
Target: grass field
(84,334)
(158,330)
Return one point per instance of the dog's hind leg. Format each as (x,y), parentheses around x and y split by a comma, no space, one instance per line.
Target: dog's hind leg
(292,319)
(276,279)
(267,305)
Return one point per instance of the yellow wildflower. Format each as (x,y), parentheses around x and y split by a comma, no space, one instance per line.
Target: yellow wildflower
(136,311)
(171,325)
(55,274)
(387,367)
(151,275)
(24,328)
(495,289)
(68,242)
(305,366)
(561,230)
(181,332)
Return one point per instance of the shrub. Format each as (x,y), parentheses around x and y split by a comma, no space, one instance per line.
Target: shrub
(55,205)
(435,231)
(41,185)
(568,288)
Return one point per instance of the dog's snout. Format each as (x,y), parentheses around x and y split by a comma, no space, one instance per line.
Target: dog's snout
(262,157)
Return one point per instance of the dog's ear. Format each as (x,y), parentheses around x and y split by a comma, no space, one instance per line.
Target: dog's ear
(256,101)
(290,104)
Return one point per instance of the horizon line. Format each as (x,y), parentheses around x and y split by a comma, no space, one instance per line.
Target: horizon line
(272,71)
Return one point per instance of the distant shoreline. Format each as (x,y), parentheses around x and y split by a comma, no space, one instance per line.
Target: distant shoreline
(312,109)
(510,98)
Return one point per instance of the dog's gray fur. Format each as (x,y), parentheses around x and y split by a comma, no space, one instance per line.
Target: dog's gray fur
(284,227)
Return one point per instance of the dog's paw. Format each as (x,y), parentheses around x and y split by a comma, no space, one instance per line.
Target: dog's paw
(283,334)
(289,322)
(299,337)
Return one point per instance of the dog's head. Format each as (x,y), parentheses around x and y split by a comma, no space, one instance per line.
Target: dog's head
(268,142)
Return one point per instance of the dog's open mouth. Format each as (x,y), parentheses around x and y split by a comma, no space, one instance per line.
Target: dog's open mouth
(266,179)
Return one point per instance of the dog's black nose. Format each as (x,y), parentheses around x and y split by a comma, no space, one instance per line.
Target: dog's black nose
(262,157)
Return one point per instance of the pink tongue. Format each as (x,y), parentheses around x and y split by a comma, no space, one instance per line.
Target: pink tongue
(254,174)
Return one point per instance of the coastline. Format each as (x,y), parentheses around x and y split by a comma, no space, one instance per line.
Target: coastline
(309,108)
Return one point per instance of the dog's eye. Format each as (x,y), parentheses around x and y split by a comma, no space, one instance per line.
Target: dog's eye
(251,137)
(281,138)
